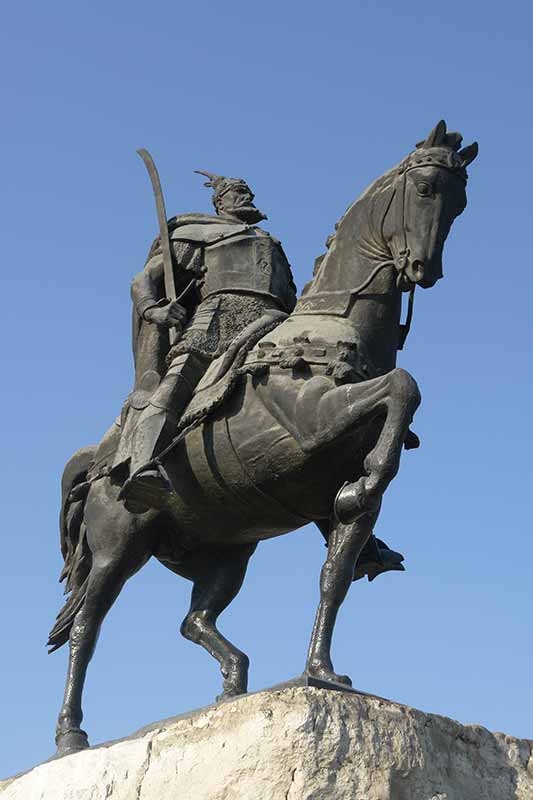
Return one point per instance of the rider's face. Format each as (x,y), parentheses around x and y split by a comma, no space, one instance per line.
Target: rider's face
(237,202)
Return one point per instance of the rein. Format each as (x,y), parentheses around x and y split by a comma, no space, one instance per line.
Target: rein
(406,327)
(371,277)
(402,259)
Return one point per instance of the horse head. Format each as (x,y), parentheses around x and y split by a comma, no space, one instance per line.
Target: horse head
(428,193)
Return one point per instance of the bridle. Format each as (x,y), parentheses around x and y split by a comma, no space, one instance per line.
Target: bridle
(443,158)
(401,260)
(422,157)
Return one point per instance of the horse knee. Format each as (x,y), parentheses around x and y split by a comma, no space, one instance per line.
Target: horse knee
(404,388)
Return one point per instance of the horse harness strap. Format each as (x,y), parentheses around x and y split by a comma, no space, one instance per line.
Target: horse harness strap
(400,191)
(402,259)
(406,327)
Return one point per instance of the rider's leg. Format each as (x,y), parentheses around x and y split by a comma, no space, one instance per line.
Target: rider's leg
(217,577)
(158,420)
(157,424)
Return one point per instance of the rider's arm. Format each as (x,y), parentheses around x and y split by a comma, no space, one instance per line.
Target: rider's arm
(147,287)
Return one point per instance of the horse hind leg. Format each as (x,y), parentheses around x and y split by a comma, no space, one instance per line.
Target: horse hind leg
(217,578)
(110,569)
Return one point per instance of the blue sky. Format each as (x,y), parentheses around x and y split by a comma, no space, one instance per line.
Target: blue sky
(309,102)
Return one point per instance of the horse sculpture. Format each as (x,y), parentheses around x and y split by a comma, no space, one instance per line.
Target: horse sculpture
(310,428)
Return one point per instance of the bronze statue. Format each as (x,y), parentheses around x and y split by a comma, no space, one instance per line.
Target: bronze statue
(269,415)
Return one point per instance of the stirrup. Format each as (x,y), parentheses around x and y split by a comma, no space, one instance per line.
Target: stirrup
(148,487)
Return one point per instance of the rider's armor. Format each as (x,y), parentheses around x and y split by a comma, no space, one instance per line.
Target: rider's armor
(250,262)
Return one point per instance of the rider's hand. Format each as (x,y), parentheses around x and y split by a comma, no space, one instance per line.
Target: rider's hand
(172,315)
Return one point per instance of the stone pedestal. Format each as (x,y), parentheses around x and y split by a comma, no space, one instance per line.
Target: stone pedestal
(298,743)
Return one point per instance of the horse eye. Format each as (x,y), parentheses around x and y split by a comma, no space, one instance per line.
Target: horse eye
(424,189)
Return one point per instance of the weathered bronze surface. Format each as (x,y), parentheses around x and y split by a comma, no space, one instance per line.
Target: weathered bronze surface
(266,413)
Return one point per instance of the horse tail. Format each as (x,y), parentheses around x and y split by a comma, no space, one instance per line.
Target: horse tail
(76,553)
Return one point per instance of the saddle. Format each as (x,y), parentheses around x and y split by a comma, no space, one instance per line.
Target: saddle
(223,374)
(217,384)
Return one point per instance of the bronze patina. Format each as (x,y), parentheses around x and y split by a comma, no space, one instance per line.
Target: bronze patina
(265,414)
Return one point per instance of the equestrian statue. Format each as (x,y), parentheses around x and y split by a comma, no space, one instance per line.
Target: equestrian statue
(254,413)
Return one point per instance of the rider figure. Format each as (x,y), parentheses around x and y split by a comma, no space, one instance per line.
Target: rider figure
(233,272)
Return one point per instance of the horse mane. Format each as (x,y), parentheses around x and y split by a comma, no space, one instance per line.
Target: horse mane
(379,184)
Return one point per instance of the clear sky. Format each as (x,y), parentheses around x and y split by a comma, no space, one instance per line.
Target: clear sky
(310,102)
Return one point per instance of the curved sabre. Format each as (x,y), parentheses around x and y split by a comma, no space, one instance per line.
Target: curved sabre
(170,285)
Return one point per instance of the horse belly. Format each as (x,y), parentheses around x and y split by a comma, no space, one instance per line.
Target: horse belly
(242,477)
(216,501)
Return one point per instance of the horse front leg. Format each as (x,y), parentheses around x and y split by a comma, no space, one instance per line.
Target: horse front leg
(392,398)
(345,545)
(325,415)
(381,464)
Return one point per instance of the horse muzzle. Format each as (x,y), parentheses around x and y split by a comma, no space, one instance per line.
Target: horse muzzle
(421,273)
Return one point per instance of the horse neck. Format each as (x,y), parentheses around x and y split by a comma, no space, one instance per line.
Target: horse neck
(353,253)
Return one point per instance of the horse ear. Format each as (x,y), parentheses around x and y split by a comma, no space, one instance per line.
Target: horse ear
(469,153)
(453,140)
(436,136)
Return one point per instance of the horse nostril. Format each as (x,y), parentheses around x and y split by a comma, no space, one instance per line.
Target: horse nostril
(418,268)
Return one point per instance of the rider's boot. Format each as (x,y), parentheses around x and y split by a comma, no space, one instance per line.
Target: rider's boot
(148,486)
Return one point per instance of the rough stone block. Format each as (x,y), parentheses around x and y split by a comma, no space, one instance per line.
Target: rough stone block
(296,743)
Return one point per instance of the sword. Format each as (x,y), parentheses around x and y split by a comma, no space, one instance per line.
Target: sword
(170,285)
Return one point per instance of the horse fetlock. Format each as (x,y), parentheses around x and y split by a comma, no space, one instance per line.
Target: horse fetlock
(234,670)
(69,736)
(235,665)
(68,720)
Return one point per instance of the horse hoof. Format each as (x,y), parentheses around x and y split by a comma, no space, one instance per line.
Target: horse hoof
(230,693)
(328,676)
(71,742)
(344,679)
(235,674)
(234,687)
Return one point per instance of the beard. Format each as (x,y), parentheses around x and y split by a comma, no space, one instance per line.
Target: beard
(248,213)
